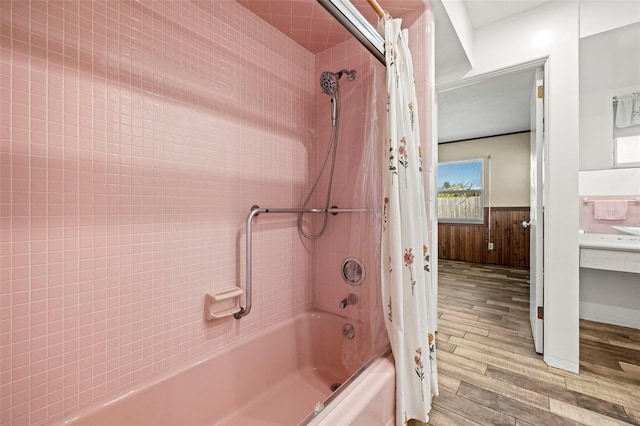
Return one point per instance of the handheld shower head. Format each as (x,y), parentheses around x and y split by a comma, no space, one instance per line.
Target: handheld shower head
(329,80)
(329,83)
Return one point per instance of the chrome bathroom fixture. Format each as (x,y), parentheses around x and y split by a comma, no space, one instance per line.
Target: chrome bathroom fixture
(352,271)
(329,80)
(348,331)
(329,83)
(255,211)
(351,299)
(353,21)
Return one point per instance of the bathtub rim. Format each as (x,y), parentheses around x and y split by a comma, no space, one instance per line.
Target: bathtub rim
(353,380)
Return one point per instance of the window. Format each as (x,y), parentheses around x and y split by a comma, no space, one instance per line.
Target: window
(626,130)
(460,187)
(627,151)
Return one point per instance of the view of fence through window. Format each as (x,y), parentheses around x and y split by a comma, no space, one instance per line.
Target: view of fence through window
(460,191)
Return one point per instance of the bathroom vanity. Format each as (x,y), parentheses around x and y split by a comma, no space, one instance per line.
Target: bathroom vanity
(628,230)
(610,252)
(610,279)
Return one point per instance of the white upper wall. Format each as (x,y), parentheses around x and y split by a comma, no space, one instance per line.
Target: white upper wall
(609,66)
(461,23)
(622,182)
(525,37)
(597,16)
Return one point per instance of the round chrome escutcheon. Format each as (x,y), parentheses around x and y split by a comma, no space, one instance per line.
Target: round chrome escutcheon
(352,271)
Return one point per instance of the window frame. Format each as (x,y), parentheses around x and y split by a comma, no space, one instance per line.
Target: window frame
(466,221)
(623,165)
(618,133)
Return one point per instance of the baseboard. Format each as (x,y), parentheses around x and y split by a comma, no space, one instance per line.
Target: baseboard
(561,363)
(610,314)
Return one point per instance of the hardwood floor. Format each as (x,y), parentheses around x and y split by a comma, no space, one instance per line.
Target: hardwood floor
(489,373)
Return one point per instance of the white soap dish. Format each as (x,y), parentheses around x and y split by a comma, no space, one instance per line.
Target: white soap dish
(222,303)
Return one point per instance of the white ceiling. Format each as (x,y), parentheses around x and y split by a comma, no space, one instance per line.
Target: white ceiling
(485,12)
(493,106)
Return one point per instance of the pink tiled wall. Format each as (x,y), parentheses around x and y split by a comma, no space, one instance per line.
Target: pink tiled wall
(597,226)
(135,136)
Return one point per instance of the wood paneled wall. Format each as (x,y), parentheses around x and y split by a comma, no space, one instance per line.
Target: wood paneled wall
(470,242)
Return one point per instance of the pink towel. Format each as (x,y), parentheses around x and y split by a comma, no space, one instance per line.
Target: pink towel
(610,209)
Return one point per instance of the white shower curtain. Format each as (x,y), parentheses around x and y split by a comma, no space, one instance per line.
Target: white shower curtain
(406,282)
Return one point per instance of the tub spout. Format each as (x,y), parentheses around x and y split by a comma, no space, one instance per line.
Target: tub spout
(351,299)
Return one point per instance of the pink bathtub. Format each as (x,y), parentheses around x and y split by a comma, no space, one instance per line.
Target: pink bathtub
(282,377)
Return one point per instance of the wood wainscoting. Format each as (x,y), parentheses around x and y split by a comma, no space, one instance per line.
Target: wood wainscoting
(470,242)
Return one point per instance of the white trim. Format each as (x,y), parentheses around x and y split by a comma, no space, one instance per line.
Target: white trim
(610,314)
(561,363)
(478,78)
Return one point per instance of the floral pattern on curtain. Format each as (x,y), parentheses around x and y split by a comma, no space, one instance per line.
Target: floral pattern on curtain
(406,281)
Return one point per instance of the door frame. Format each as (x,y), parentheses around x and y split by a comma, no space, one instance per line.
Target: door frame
(543,63)
(537,202)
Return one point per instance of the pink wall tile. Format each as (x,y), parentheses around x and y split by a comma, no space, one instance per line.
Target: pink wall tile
(596,226)
(137,137)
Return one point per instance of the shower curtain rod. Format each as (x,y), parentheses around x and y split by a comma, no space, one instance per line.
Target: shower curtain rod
(353,21)
(380,11)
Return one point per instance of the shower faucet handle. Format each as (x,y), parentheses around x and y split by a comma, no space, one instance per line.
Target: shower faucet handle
(351,299)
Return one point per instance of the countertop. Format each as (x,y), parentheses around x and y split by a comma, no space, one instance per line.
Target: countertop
(610,242)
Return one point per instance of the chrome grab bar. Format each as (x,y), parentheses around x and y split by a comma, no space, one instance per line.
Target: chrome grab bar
(255,211)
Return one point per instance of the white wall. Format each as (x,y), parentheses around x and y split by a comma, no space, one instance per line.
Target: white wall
(597,16)
(509,163)
(609,66)
(609,182)
(611,297)
(459,18)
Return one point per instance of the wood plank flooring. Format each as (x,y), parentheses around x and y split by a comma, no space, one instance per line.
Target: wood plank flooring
(489,373)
